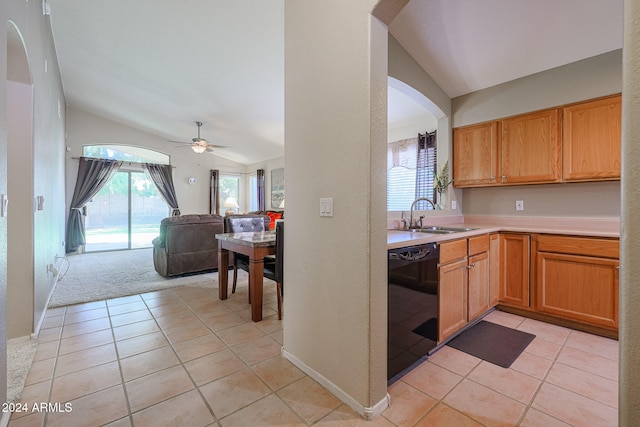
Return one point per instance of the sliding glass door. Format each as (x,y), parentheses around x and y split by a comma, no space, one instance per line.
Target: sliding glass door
(125,214)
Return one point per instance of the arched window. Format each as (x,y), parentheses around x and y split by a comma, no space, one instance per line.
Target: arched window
(127,153)
(126,213)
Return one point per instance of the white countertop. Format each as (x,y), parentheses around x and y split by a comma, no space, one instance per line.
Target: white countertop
(595,227)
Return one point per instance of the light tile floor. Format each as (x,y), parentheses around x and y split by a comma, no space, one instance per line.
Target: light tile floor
(181,357)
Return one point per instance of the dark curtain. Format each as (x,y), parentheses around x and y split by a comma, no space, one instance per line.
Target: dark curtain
(214,196)
(425,169)
(162,177)
(93,174)
(260,176)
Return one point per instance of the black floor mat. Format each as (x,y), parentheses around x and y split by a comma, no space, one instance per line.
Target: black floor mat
(494,343)
(428,329)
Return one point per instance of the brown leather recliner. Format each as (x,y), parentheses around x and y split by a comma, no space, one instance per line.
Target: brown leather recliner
(187,244)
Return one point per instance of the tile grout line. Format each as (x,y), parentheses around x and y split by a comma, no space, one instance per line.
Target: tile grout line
(227,346)
(247,366)
(124,388)
(543,381)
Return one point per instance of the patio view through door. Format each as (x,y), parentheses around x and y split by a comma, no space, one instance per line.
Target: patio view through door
(125,214)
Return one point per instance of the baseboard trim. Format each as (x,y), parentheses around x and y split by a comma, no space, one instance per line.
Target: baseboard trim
(367,413)
(4,420)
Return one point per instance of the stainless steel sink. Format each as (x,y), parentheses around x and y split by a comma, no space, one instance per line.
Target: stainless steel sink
(440,230)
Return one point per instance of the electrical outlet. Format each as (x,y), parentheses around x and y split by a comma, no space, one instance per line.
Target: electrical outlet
(519,205)
(454,205)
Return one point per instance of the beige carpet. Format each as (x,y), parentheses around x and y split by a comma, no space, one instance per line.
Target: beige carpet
(104,275)
(20,352)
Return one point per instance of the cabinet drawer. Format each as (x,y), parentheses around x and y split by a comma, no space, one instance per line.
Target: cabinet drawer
(478,244)
(589,246)
(451,251)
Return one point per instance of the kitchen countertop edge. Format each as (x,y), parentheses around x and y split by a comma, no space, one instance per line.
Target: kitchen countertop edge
(400,238)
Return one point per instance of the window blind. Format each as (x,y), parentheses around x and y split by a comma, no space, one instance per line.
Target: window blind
(410,172)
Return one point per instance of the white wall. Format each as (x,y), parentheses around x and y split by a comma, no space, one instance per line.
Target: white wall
(20,291)
(48,163)
(84,128)
(629,400)
(335,146)
(403,68)
(42,134)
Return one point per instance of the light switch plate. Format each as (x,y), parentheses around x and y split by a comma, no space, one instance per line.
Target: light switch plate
(326,206)
(519,205)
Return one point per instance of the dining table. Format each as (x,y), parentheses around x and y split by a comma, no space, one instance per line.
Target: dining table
(256,245)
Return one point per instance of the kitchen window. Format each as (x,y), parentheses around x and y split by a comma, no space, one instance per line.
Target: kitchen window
(411,164)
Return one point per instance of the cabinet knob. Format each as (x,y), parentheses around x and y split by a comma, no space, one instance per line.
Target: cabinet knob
(504,177)
(471,266)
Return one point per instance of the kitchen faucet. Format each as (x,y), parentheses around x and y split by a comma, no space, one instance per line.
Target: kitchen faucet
(413,205)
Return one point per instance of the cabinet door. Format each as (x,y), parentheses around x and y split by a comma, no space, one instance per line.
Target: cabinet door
(494,269)
(478,299)
(578,287)
(452,298)
(591,140)
(475,155)
(531,148)
(514,269)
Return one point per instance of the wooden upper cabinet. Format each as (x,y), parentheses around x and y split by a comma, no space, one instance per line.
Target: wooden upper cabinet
(531,148)
(591,140)
(475,155)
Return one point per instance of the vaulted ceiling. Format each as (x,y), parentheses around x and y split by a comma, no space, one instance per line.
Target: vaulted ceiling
(161,65)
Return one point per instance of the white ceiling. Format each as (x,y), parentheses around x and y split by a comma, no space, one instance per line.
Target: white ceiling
(161,65)
(468,45)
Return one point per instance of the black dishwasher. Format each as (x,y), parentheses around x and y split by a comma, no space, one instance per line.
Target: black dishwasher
(413,306)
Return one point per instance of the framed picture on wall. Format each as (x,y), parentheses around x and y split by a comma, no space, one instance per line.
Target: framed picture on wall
(277,188)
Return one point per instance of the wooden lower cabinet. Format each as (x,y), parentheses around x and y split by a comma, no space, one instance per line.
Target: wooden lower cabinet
(575,284)
(478,298)
(514,269)
(452,298)
(463,283)
(494,269)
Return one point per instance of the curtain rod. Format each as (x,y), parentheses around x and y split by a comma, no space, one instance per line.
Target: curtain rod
(141,164)
(123,161)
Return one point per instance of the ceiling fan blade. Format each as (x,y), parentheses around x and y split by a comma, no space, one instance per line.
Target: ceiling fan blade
(180,142)
(218,146)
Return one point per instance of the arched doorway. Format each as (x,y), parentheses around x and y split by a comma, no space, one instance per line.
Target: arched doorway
(20,239)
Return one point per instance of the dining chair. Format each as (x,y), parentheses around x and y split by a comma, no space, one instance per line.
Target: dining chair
(274,270)
(241,224)
(273,265)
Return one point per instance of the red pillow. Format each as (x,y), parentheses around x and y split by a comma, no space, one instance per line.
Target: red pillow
(273,217)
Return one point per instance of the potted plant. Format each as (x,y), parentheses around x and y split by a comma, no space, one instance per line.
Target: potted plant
(441,181)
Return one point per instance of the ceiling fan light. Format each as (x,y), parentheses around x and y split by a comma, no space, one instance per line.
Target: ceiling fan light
(198,148)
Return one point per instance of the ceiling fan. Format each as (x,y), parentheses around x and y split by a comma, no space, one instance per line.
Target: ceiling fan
(200,145)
